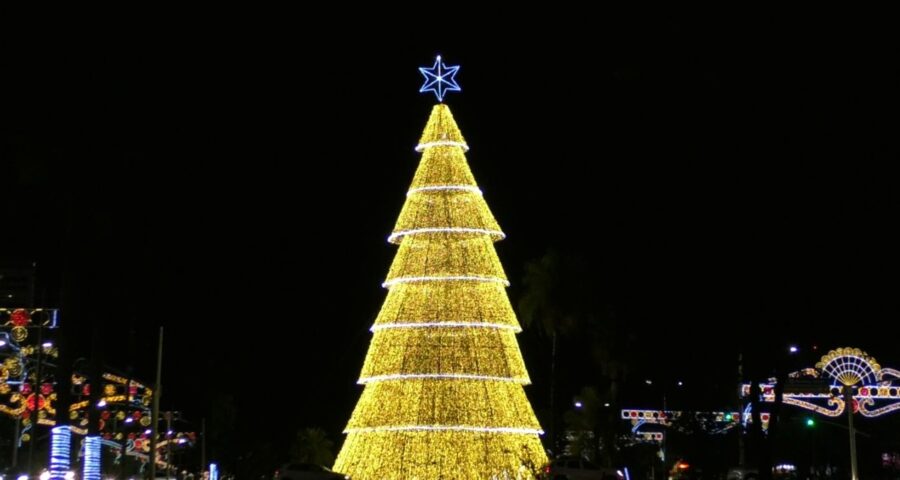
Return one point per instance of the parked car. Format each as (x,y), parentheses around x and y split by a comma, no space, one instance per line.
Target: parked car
(307,471)
(574,468)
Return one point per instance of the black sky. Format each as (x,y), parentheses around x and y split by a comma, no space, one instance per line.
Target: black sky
(234,177)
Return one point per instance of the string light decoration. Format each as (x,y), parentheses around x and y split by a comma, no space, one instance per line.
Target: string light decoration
(849,366)
(875,390)
(25,341)
(92,458)
(443,378)
(439,79)
(60,452)
(711,422)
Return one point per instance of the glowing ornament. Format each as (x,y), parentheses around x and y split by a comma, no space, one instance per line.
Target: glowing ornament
(18,333)
(20,317)
(439,79)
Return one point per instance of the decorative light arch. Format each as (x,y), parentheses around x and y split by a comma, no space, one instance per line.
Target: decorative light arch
(875,390)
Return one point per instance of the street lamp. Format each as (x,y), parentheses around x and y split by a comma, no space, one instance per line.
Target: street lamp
(793,349)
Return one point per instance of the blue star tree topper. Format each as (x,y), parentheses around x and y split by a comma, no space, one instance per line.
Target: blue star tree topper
(440,79)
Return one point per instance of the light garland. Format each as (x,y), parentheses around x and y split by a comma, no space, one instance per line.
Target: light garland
(499,326)
(441,143)
(445,188)
(443,254)
(835,412)
(392,238)
(446,211)
(433,401)
(454,278)
(451,376)
(877,412)
(448,428)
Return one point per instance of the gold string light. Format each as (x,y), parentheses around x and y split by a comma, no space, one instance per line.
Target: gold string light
(444,376)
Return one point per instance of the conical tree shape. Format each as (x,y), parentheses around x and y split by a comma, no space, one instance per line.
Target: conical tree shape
(443,376)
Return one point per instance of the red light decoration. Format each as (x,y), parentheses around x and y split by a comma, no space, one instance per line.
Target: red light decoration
(30,402)
(20,317)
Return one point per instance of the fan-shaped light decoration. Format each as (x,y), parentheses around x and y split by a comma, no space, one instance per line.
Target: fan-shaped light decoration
(850,366)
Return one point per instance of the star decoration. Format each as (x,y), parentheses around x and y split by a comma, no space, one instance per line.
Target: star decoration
(440,79)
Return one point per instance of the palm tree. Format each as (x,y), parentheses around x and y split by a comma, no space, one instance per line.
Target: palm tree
(561,298)
(549,302)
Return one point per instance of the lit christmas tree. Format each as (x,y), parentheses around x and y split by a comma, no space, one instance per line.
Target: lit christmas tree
(443,376)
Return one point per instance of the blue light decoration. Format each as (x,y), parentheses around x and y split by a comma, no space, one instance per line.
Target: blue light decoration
(60,452)
(440,79)
(213,471)
(92,445)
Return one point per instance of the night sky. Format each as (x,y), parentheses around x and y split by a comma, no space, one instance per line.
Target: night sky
(234,177)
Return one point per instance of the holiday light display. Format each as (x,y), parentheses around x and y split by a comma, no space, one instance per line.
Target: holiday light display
(124,403)
(439,79)
(92,453)
(25,352)
(60,452)
(444,376)
(875,391)
(719,421)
